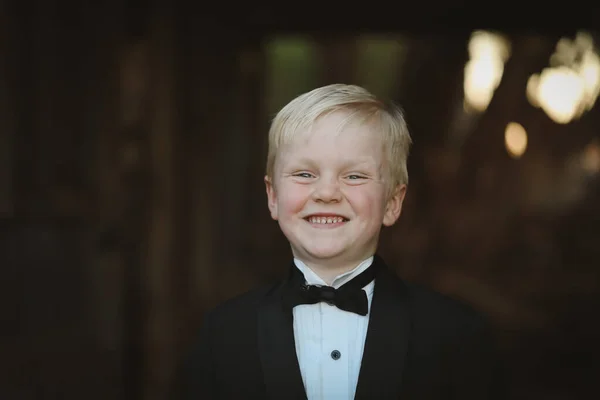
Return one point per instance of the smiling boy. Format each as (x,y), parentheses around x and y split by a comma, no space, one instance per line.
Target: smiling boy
(342,325)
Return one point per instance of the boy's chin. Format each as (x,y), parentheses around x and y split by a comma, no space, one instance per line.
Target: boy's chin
(325,254)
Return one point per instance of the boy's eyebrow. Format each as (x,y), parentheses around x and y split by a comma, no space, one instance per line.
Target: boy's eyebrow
(351,162)
(304,161)
(359,162)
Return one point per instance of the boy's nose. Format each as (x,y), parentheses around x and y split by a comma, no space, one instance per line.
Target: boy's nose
(327,191)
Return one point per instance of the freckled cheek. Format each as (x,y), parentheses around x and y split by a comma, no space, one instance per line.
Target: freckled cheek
(293,200)
(368,206)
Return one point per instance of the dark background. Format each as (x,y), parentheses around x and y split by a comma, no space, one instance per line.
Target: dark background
(132,150)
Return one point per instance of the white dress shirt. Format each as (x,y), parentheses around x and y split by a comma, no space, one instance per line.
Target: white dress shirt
(330,341)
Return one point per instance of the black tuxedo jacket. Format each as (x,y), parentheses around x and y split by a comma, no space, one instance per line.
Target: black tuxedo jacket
(420,345)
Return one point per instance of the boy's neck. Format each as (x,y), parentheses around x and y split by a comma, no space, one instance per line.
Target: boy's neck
(328,272)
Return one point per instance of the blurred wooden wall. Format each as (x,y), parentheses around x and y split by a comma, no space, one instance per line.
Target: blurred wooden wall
(114,120)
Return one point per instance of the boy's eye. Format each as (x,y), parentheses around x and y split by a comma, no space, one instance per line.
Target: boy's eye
(354,177)
(303,175)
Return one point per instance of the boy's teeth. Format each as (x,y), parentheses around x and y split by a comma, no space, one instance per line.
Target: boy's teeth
(325,220)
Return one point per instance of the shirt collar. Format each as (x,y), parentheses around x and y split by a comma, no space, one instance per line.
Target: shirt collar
(313,279)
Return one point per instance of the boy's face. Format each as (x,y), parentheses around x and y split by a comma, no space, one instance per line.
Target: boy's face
(328,193)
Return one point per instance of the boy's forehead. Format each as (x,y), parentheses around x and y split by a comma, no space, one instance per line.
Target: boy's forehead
(347,147)
(333,128)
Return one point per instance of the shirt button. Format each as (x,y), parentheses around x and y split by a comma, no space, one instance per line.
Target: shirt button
(336,355)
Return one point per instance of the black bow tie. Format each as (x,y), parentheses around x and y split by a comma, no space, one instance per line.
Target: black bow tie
(348,297)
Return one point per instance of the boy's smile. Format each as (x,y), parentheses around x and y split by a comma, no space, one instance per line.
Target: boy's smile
(328,194)
(325,220)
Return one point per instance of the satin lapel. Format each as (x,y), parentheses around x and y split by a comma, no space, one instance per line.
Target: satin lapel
(278,350)
(386,344)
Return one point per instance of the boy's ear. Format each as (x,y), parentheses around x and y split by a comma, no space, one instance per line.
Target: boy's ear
(393,208)
(271,197)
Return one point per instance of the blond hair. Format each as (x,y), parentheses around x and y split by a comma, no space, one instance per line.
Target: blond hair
(302,112)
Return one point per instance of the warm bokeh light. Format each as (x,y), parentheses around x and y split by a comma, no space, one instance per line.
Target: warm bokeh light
(560,93)
(531,91)
(515,139)
(570,86)
(590,74)
(483,72)
(590,158)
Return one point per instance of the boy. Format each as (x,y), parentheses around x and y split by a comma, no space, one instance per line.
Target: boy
(342,325)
